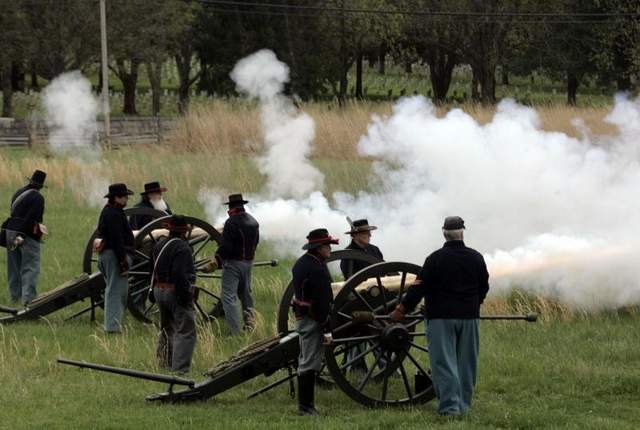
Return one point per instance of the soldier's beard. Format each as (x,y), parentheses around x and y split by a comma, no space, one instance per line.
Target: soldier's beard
(159,204)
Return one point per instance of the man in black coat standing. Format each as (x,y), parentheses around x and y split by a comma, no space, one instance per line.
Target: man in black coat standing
(454,282)
(235,255)
(312,304)
(360,232)
(151,198)
(115,239)
(24,232)
(173,280)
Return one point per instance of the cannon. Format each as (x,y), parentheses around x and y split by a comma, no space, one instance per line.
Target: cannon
(203,239)
(396,355)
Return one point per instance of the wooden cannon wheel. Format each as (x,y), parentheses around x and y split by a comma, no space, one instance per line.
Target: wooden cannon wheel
(396,355)
(285,316)
(203,239)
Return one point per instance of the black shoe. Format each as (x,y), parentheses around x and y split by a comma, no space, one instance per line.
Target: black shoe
(307,410)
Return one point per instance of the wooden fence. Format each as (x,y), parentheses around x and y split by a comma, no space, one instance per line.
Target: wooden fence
(124,131)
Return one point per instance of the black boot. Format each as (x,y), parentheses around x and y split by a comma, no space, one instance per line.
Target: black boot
(306,393)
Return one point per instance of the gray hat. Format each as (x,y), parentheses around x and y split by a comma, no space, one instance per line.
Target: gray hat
(453,223)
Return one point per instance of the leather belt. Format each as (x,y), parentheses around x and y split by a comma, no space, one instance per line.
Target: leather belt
(164,286)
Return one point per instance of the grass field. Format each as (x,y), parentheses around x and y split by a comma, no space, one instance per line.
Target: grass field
(568,371)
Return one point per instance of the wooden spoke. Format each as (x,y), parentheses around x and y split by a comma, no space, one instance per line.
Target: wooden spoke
(359,356)
(421,348)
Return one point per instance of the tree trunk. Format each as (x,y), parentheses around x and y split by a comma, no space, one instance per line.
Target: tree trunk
(344,85)
(34,78)
(408,67)
(129,79)
(572,88)
(7,91)
(183,61)
(475,82)
(359,61)
(17,77)
(505,76)
(488,87)
(154,71)
(382,56)
(441,64)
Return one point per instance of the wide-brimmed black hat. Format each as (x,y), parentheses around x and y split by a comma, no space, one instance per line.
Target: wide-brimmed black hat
(453,223)
(153,187)
(117,190)
(177,223)
(38,178)
(359,225)
(319,237)
(236,199)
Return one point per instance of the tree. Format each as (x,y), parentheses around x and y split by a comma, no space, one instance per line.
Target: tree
(62,35)
(12,42)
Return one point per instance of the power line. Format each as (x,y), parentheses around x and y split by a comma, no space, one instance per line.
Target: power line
(418,13)
(423,18)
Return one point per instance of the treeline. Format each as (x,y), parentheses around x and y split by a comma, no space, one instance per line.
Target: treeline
(322,41)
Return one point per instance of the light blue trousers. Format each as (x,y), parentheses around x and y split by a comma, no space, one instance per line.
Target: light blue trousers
(23,269)
(453,351)
(236,284)
(115,294)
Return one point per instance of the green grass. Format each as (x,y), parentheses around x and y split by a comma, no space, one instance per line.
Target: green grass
(581,373)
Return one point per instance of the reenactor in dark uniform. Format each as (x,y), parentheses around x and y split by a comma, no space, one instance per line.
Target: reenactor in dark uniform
(454,282)
(360,232)
(312,304)
(150,198)
(360,240)
(115,238)
(235,255)
(173,280)
(24,231)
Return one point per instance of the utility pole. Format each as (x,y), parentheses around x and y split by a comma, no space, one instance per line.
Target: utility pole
(105,72)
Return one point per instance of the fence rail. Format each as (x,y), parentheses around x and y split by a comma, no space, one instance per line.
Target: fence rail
(124,131)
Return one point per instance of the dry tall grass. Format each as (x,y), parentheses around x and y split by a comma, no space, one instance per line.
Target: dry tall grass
(222,127)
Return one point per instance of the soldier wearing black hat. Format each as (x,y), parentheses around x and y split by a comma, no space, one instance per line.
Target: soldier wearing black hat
(360,232)
(235,255)
(115,239)
(150,198)
(312,304)
(23,230)
(173,281)
(454,282)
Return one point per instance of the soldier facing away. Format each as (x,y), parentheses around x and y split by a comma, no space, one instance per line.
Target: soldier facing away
(454,282)
(173,281)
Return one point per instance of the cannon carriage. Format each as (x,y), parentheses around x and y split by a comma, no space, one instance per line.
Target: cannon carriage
(396,355)
(203,239)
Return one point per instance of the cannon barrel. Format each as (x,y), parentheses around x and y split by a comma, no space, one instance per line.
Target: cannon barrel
(8,310)
(364,317)
(172,380)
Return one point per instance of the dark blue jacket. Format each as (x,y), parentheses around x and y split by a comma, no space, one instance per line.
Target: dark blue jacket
(453,281)
(240,237)
(139,221)
(114,230)
(312,287)
(349,267)
(175,266)
(28,213)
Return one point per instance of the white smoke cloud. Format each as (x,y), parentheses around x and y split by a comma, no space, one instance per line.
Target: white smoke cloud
(212,201)
(71,110)
(553,214)
(71,115)
(288,134)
